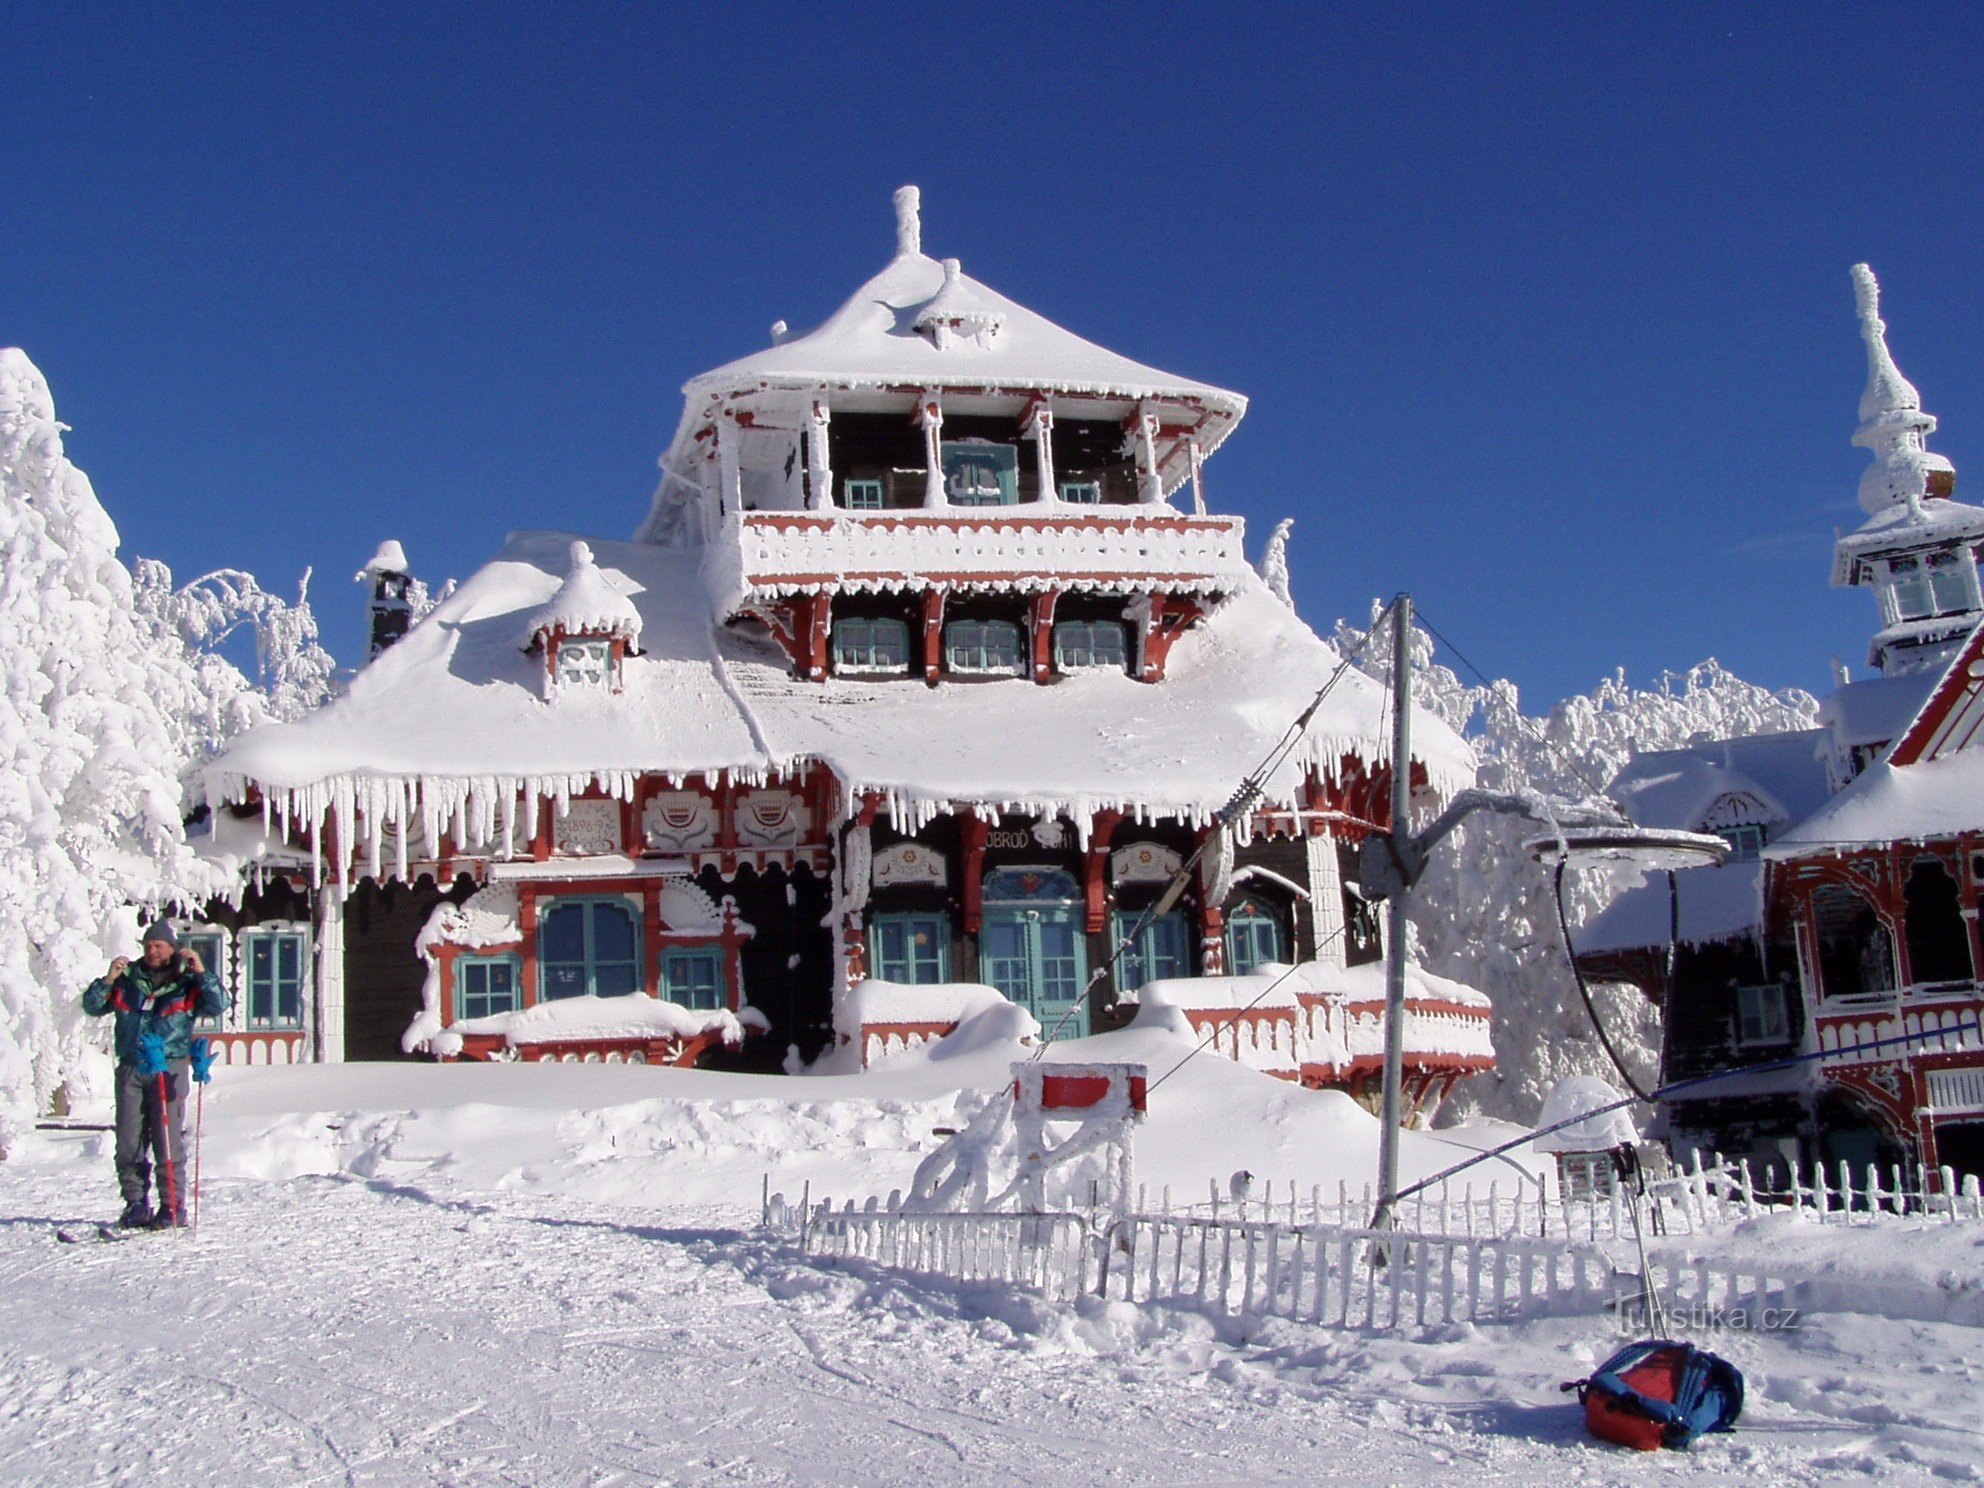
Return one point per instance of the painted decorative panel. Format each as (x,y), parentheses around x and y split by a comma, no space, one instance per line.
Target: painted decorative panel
(771,818)
(587,827)
(1144,862)
(678,821)
(910,863)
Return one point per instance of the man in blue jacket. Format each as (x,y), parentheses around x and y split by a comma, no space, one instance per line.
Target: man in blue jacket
(156,1000)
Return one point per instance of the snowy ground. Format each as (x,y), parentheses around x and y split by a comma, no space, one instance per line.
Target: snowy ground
(547,1276)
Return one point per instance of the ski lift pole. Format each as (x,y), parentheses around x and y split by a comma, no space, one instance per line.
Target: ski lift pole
(1395,925)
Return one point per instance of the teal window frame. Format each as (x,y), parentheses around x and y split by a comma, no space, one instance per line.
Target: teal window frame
(474,1002)
(211,943)
(1746,843)
(894,954)
(859,640)
(1763,1015)
(274,996)
(863,493)
(1081,492)
(1255,934)
(1076,648)
(590,963)
(693,977)
(978,646)
(1003,460)
(1161,950)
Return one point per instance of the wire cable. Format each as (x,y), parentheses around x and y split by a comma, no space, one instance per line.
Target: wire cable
(1238,805)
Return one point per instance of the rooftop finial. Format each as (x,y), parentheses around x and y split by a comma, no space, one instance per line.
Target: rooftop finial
(1892,423)
(909,220)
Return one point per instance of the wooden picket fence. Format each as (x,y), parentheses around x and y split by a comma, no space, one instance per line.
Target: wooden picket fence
(1704,1196)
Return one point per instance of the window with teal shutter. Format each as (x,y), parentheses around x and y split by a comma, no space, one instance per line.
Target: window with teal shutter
(991,646)
(1160,950)
(909,948)
(486,986)
(693,979)
(864,645)
(211,946)
(1079,644)
(272,968)
(1253,937)
(862,495)
(588,948)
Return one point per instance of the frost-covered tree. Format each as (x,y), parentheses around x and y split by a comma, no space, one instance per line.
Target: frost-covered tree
(90,805)
(1485,913)
(209,699)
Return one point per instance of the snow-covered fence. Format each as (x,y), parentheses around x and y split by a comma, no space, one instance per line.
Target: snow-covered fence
(1332,1276)
(1705,1196)
(1046,1253)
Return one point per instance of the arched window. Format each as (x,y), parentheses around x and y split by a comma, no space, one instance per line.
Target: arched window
(1856,954)
(589,948)
(1254,936)
(1938,938)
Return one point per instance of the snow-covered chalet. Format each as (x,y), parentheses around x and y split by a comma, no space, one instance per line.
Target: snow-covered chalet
(928,667)
(1847,915)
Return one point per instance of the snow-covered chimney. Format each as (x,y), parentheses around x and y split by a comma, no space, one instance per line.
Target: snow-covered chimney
(909,220)
(779,332)
(391,610)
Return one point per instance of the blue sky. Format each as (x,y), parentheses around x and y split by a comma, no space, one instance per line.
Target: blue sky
(1545,318)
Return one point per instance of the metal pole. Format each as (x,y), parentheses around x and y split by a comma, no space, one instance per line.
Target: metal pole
(1395,926)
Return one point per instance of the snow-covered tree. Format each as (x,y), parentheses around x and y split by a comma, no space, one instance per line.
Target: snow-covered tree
(90,805)
(1485,912)
(209,699)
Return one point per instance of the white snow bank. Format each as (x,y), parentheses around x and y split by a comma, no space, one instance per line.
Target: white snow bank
(633,1015)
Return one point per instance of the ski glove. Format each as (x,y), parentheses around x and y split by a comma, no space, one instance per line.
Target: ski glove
(151,1052)
(203,1060)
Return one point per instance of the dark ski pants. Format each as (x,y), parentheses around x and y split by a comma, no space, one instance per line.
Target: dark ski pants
(151,1132)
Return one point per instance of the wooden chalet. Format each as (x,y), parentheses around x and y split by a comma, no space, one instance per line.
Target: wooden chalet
(1848,913)
(928,667)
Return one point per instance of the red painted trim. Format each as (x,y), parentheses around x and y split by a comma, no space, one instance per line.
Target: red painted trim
(933,634)
(1041,619)
(1961,683)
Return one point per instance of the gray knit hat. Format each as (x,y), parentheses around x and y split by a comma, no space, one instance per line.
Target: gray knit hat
(162,930)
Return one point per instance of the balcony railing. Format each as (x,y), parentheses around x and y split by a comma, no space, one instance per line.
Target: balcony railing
(768,555)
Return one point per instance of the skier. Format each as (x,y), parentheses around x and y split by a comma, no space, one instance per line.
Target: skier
(156,1000)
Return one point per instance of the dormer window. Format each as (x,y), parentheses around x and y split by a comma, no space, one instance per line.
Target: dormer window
(1083,644)
(1746,844)
(586,631)
(978,472)
(985,647)
(585,662)
(871,645)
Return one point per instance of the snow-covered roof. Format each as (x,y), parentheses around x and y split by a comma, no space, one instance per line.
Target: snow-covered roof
(455,710)
(1676,788)
(1902,528)
(587,603)
(1715,904)
(1895,803)
(1875,710)
(874,340)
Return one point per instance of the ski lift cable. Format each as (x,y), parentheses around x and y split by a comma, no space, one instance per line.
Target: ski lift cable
(1242,801)
(1663,1092)
(1584,991)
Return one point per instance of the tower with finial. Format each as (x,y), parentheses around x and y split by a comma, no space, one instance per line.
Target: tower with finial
(1917,548)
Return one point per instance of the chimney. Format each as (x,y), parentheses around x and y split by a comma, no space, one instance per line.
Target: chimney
(391,609)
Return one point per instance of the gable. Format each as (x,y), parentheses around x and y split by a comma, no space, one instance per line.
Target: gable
(1953,717)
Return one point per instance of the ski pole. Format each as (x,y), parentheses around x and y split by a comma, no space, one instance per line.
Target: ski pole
(203,1073)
